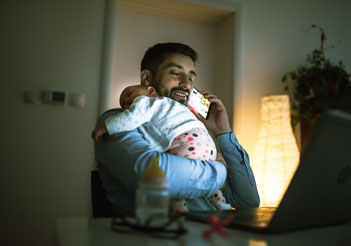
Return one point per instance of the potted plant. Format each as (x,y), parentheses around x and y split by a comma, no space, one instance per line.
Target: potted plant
(314,86)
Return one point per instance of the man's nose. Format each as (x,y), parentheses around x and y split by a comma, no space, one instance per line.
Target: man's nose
(185,82)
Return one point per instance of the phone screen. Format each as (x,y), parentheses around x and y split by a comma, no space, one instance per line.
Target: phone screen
(200,104)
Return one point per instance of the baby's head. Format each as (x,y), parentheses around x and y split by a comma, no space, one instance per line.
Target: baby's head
(131,92)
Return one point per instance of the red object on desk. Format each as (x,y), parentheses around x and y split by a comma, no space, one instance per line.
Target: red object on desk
(217,226)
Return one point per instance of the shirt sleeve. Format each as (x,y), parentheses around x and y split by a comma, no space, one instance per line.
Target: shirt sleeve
(139,112)
(240,189)
(127,154)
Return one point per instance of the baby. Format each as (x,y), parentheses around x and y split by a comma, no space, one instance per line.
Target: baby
(169,127)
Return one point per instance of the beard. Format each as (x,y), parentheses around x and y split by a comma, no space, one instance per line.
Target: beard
(180,95)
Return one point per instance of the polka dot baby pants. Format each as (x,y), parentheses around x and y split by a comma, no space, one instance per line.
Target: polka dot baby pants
(195,144)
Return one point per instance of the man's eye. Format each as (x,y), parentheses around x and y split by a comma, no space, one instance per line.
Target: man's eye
(192,78)
(174,73)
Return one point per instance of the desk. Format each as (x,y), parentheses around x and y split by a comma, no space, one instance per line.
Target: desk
(97,232)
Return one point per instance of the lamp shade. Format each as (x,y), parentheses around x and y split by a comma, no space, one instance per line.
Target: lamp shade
(276,154)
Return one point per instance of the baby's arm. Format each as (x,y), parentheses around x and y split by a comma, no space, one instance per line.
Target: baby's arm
(139,112)
(99,132)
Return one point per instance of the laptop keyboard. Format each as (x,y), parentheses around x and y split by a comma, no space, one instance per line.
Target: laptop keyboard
(263,214)
(255,217)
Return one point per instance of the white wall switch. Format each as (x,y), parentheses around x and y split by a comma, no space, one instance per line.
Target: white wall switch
(76,99)
(31,96)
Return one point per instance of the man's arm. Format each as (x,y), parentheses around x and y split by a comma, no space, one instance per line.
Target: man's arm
(127,154)
(240,190)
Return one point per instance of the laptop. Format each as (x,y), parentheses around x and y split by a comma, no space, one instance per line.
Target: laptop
(319,193)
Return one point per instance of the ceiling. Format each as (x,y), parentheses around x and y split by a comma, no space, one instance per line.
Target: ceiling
(176,9)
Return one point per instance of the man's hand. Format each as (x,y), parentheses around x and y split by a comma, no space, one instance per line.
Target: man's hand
(217,121)
(99,132)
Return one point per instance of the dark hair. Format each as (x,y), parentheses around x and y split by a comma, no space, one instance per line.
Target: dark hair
(156,54)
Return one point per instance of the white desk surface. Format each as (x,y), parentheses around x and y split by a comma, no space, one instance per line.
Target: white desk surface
(97,232)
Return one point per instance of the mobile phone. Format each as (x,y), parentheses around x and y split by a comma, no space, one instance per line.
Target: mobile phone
(199,103)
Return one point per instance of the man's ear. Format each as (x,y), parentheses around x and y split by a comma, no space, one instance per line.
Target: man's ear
(151,90)
(146,77)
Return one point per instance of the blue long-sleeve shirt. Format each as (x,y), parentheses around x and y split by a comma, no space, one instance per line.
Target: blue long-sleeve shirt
(122,158)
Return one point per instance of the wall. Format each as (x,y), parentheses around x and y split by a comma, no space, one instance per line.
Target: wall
(136,32)
(272,42)
(224,63)
(46,151)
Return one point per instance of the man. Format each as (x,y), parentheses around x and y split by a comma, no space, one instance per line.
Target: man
(122,158)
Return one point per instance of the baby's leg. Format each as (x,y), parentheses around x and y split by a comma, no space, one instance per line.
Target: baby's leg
(176,207)
(195,144)
(218,200)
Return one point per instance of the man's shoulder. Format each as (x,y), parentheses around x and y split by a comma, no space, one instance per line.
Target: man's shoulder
(108,113)
(113,111)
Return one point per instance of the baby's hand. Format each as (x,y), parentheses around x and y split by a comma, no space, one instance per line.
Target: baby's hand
(99,132)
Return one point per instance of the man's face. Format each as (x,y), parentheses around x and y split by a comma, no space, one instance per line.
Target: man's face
(175,77)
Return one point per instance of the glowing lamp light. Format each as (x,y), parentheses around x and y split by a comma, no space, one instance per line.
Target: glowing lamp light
(276,154)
